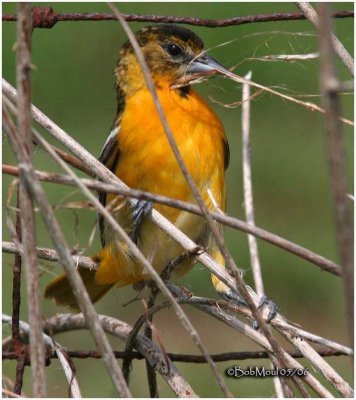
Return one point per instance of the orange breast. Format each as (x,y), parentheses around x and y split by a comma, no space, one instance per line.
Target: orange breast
(146,159)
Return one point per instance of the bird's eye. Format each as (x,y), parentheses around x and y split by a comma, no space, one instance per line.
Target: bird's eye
(174,50)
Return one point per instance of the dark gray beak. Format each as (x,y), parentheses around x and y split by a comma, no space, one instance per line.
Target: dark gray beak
(206,65)
(199,69)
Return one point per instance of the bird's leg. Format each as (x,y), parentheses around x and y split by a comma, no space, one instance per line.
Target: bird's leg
(264,301)
(140,209)
(188,254)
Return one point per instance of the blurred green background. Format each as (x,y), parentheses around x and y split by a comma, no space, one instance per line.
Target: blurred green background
(73,84)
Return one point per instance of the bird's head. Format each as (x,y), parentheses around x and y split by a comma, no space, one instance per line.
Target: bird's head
(175,57)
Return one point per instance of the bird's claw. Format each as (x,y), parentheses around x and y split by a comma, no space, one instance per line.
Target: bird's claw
(235,298)
(140,209)
(273,310)
(264,301)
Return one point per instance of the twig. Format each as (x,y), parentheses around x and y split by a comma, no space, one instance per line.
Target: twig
(67,322)
(67,261)
(45,17)
(16,302)
(151,373)
(339,48)
(56,351)
(28,224)
(322,366)
(278,241)
(185,358)
(336,159)
(249,212)
(247,184)
(50,255)
(306,104)
(214,309)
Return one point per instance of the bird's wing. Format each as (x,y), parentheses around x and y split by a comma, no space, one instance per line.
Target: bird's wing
(109,156)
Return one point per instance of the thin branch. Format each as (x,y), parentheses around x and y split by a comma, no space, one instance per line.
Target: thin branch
(339,48)
(67,261)
(57,351)
(247,185)
(86,262)
(321,366)
(50,255)
(46,17)
(28,223)
(151,352)
(235,223)
(184,358)
(218,312)
(16,303)
(337,161)
(249,212)
(306,104)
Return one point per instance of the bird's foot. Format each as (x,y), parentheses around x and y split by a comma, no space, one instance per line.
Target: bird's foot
(273,310)
(140,209)
(264,301)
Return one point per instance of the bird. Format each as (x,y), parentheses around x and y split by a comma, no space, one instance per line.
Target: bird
(138,152)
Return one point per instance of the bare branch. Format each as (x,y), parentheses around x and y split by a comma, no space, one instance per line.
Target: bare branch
(28,223)
(50,255)
(46,17)
(339,48)
(337,161)
(152,353)
(57,351)
(247,184)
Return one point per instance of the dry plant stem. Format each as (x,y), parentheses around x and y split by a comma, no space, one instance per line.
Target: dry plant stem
(28,223)
(134,250)
(68,322)
(321,365)
(336,159)
(249,211)
(216,311)
(57,351)
(16,302)
(50,255)
(230,264)
(151,373)
(291,247)
(247,185)
(306,104)
(103,173)
(87,262)
(339,48)
(67,261)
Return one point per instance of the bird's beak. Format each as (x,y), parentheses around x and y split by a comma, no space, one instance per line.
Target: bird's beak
(199,69)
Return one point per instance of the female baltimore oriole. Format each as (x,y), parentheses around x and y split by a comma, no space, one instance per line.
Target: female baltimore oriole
(138,152)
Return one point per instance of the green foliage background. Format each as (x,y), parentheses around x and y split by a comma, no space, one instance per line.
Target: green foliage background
(73,85)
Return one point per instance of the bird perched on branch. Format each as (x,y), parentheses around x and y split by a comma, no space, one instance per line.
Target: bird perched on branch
(138,152)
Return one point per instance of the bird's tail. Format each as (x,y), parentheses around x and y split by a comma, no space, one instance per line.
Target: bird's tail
(60,290)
